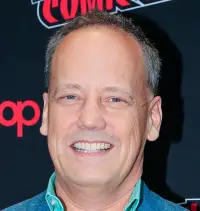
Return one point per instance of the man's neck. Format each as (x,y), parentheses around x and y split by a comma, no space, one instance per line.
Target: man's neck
(118,205)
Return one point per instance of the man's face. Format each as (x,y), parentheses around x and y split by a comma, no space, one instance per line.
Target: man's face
(98,112)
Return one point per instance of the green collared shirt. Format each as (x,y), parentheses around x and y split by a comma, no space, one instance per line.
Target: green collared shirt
(55,204)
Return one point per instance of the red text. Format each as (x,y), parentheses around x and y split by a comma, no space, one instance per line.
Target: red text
(85,6)
(17,117)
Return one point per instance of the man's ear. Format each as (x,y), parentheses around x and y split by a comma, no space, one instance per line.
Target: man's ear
(44,126)
(154,119)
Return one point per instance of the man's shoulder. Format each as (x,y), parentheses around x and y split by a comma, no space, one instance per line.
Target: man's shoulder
(154,202)
(164,204)
(38,203)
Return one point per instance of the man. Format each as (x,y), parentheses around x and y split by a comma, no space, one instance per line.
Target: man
(102,75)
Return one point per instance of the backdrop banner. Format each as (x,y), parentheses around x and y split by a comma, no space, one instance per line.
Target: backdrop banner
(171,163)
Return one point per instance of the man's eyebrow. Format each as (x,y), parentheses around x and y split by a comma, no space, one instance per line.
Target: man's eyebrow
(66,86)
(119,90)
(76,86)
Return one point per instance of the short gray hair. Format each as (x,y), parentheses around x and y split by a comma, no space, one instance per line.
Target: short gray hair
(95,17)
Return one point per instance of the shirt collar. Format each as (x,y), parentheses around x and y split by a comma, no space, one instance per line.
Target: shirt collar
(55,204)
(135,197)
(52,200)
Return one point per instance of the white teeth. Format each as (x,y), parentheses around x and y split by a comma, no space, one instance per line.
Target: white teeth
(86,146)
(102,145)
(91,146)
(107,146)
(98,146)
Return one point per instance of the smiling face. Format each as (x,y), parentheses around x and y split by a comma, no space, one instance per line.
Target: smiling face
(98,113)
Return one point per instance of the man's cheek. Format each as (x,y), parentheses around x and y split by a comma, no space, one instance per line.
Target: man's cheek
(140,121)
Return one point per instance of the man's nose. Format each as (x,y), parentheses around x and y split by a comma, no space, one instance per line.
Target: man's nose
(91,116)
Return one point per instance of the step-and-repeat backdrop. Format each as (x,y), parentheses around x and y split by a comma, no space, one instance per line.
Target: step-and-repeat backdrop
(171,164)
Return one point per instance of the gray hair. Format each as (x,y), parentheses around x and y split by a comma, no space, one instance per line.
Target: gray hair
(95,17)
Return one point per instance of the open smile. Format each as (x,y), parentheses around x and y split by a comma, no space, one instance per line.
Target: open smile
(91,148)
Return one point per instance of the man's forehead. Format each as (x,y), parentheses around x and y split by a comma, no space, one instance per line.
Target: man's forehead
(110,53)
(93,35)
(77,56)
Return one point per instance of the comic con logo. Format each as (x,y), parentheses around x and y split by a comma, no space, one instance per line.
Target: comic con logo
(55,13)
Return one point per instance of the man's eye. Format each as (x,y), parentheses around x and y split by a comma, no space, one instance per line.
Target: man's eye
(115,99)
(70,97)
